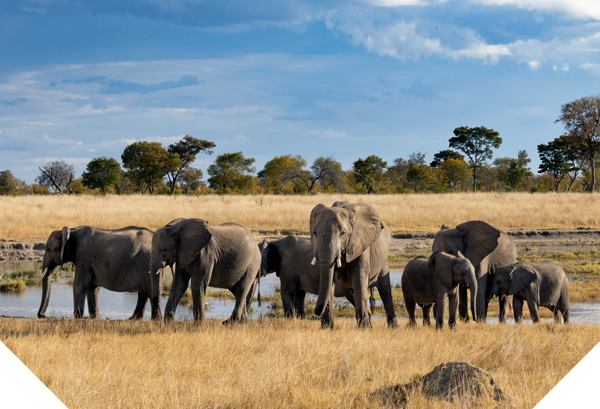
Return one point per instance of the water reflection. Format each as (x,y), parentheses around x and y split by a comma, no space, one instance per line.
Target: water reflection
(121,305)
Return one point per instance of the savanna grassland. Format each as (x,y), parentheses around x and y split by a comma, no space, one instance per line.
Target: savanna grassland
(35,217)
(275,362)
(281,363)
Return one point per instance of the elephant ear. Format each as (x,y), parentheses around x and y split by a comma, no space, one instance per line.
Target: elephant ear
(272,259)
(175,221)
(65,234)
(194,235)
(440,266)
(480,239)
(521,277)
(366,228)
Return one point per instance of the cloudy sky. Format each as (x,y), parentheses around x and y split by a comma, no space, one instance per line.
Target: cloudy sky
(82,79)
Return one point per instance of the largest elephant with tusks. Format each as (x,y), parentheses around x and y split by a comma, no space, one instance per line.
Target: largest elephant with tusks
(113,259)
(222,256)
(352,243)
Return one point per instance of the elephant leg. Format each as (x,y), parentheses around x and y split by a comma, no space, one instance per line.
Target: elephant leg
(93,294)
(384,287)
(503,302)
(463,305)
(250,296)
(518,309)
(178,288)
(410,304)
(140,307)
(439,317)
(327,316)
(534,310)
(154,296)
(287,301)
(199,284)
(452,307)
(241,289)
(81,283)
(480,299)
(563,306)
(361,296)
(426,311)
(299,304)
(557,314)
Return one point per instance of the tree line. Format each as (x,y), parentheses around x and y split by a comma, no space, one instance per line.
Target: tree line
(567,163)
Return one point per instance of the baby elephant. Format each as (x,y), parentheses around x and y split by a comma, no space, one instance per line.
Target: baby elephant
(541,283)
(428,281)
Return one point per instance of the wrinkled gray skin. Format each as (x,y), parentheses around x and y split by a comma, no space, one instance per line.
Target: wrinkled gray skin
(221,256)
(488,249)
(542,283)
(113,259)
(351,243)
(427,281)
(290,259)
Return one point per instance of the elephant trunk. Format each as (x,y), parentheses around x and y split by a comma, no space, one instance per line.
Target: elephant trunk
(47,269)
(472,284)
(325,285)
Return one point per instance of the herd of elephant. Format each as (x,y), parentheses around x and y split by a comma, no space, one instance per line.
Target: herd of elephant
(346,256)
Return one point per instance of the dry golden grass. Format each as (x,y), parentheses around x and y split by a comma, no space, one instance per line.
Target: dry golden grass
(280,363)
(34,217)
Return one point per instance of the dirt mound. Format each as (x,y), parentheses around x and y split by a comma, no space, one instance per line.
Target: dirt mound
(455,382)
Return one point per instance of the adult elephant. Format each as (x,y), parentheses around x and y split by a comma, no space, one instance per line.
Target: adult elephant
(351,243)
(113,259)
(222,256)
(488,249)
(289,258)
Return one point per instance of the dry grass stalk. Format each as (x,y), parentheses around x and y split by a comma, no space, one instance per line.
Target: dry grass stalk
(34,217)
(280,363)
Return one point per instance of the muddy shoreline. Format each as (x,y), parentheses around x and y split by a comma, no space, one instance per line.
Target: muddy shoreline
(14,253)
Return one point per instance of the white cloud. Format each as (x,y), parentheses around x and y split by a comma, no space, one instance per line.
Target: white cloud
(533,65)
(565,67)
(586,65)
(587,9)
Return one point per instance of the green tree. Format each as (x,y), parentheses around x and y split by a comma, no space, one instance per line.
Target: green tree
(100,173)
(191,180)
(456,171)
(555,160)
(231,173)
(148,163)
(329,173)
(442,156)
(419,176)
(186,149)
(513,172)
(10,185)
(277,175)
(369,171)
(476,143)
(581,119)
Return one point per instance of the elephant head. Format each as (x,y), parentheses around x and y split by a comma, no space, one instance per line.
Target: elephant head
(178,243)
(474,239)
(57,252)
(449,270)
(511,279)
(339,235)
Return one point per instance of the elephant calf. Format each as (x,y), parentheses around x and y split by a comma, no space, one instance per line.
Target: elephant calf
(428,281)
(541,283)
(113,259)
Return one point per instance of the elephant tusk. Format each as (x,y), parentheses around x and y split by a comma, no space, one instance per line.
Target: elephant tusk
(339,262)
(149,272)
(314,261)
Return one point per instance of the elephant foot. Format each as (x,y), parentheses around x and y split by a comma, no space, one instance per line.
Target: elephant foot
(134,317)
(393,323)
(411,324)
(326,325)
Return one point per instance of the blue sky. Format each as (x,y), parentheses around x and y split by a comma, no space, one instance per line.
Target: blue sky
(81,79)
